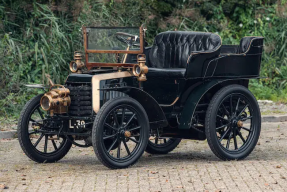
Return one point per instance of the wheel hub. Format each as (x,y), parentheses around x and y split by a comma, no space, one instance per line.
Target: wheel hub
(235,123)
(239,123)
(123,133)
(127,134)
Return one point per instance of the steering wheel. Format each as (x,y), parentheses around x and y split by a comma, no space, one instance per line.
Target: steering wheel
(129,39)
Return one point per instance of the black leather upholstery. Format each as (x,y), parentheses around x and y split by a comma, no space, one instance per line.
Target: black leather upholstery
(244,44)
(169,72)
(229,49)
(172,49)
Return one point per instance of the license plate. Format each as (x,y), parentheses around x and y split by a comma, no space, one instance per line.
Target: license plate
(75,124)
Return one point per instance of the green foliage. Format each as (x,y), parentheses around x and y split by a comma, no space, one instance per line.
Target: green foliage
(38,37)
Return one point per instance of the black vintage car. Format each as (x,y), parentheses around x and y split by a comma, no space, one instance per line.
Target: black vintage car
(127,98)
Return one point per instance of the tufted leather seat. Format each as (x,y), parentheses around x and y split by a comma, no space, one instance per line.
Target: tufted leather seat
(172,50)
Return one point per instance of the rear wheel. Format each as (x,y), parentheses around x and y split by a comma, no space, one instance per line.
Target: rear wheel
(36,144)
(120,132)
(161,145)
(233,123)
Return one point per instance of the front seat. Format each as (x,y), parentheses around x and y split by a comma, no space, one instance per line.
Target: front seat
(172,50)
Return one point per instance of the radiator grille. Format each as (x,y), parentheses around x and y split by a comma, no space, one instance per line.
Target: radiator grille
(81,100)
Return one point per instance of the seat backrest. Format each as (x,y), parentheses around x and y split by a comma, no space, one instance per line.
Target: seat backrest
(172,49)
(245,42)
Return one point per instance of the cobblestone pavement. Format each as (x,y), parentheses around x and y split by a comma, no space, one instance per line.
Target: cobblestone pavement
(191,167)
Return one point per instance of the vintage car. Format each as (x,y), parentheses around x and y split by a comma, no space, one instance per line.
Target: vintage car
(127,97)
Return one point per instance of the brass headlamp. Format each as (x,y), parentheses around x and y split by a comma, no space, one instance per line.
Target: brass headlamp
(140,69)
(56,100)
(77,64)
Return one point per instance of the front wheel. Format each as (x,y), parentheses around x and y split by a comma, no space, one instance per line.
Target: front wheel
(120,132)
(35,142)
(233,123)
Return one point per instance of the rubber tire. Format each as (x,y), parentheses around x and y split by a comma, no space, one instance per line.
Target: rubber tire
(162,150)
(25,142)
(98,129)
(211,113)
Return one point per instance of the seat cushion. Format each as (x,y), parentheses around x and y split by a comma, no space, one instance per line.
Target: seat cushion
(165,72)
(172,49)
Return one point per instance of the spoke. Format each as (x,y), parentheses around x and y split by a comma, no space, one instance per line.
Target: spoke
(38,141)
(123,115)
(243,109)
(40,112)
(130,120)
(116,118)
(133,140)
(110,136)
(235,140)
(246,129)
(32,120)
(46,144)
(135,128)
(54,144)
(156,140)
(119,150)
(237,105)
(222,118)
(240,135)
(109,126)
(222,126)
(228,141)
(33,132)
(126,146)
(112,145)
(225,110)
(231,107)
(224,135)
(246,118)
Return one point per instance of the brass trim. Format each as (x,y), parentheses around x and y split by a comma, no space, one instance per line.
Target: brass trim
(51,83)
(164,105)
(96,79)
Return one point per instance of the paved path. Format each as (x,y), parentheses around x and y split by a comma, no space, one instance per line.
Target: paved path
(191,167)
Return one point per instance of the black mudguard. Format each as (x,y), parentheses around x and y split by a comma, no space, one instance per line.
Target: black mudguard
(197,93)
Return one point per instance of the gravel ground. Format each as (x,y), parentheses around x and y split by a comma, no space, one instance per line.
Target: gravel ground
(190,167)
(270,108)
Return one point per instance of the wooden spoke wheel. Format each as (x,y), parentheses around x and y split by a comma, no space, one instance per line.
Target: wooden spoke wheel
(36,144)
(233,123)
(120,132)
